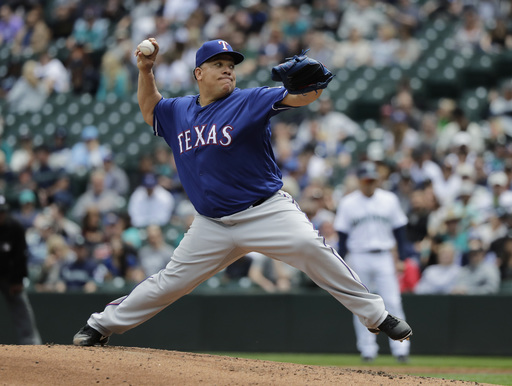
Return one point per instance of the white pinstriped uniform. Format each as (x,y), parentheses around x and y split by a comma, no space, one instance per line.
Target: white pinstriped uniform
(369,224)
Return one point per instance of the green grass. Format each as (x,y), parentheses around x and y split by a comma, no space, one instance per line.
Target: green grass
(445,366)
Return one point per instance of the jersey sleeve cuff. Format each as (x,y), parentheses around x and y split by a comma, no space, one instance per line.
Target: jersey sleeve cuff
(156,127)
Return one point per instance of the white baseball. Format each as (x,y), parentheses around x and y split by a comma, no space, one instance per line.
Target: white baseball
(146,47)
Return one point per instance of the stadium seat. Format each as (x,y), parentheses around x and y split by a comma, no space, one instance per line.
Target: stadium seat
(480,71)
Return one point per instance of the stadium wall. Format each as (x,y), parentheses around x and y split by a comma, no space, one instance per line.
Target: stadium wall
(304,322)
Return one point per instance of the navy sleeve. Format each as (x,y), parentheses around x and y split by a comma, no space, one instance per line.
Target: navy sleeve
(405,248)
(342,242)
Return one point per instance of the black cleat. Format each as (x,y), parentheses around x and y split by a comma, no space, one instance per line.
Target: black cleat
(88,336)
(395,328)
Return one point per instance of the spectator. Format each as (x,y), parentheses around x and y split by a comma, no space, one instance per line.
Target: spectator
(5,148)
(499,194)
(23,156)
(324,222)
(354,51)
(44,175)
(428,130)
(271,275)
(28,211)
(129,233)
(361,14)
(34,37)
(409,48)
(60,156)
(61,224)
(461,124)
(90,31)
(503,249)
(6,176)
(29,93)
(122,262)
(333,128)
(62,19)
(23,182)
(417,216)
(97,196)
(89,153)
(440,278)
(500,107)
(52,71)
(116,178)
(114,77)
(58,255)
(451,230)
(479,277)
(92,228)
(401,139)
(37,238)
(156,254)
(294,25)
(494,229)
(150,203)
(500,36)
(165,168)
(409,274)
(83,70)
(385,47)
(274,49)
(10,24)
(471,36)
(404,14)
(328,16)
(171,71)
(447,187)
(13,269)
(79,274)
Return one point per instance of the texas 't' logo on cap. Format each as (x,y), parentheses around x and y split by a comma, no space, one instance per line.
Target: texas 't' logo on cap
(215,47)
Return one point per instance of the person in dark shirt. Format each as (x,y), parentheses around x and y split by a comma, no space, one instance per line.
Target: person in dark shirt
(13,269)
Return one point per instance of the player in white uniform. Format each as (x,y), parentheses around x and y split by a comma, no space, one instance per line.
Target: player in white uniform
(370,222)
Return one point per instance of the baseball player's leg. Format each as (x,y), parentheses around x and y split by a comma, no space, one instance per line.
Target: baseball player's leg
(278,229)
(205,250)
(388,287)
(366,341)
(22,316)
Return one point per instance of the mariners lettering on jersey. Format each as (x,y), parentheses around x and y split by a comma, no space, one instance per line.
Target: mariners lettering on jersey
(357,221)
(204,137)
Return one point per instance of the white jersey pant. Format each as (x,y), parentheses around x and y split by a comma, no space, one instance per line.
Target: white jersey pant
(377,270)
(278,229)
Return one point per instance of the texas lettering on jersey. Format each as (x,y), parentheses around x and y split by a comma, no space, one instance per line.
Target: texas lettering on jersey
(204,136)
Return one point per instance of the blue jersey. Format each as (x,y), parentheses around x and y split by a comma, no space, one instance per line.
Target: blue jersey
(223,151)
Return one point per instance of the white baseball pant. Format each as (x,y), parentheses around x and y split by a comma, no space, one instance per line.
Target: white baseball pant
(278,229)
(377,270)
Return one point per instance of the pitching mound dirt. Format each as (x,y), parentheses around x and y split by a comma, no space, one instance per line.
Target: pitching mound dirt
(69,365)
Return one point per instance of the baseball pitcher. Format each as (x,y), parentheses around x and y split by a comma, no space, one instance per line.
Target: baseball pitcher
(220,140)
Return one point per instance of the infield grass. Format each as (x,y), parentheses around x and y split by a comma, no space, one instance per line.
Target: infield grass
(493,370)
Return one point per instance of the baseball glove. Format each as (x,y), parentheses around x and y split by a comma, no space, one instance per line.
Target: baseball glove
(301,74)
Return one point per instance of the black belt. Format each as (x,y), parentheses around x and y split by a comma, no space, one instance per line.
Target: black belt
(376,251)
(260,201)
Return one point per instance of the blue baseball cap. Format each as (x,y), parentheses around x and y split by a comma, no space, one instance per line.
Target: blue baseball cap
(215,47)
(149,181)
(89,132)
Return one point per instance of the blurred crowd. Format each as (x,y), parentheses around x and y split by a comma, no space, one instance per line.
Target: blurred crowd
(91,224)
